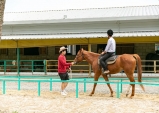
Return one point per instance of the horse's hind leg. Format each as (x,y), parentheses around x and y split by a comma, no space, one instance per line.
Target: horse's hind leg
(127,92)
(106,79)
(131,78)
(96,76)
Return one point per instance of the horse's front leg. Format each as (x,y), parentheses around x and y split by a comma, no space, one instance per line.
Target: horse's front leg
(95,84)
(96,77)
(106,79)
(127,92)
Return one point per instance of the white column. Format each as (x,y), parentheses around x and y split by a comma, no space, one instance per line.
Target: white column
(69,49)
(73,49)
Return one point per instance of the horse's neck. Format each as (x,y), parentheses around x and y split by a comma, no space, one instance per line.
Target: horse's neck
(90,57)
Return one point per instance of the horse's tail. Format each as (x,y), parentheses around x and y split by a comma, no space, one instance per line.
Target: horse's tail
(139,69)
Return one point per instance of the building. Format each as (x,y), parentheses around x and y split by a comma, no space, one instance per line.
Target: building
(136,31)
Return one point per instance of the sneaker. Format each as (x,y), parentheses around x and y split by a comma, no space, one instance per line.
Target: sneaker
(64,94)
(107,71)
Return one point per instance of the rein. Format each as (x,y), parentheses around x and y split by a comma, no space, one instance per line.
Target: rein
(79,56)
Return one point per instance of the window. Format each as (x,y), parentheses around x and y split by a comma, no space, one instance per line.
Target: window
(4,51)
(57,48)
(124,49)
(157,48)
(21,50)
(78,47)
(85,47)
(120,48)
(31,51)
(100,48)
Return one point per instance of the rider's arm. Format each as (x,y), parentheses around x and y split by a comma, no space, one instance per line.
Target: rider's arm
(108,46)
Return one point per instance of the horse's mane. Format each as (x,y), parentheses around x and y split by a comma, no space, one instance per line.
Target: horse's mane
(92,53)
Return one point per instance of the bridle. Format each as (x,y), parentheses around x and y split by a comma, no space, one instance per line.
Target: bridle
(77,56)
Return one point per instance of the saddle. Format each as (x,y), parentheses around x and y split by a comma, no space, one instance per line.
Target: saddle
(110,60)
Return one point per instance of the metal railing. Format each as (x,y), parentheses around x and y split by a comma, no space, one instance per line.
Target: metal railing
(46,66)
(119,83)
(152,66)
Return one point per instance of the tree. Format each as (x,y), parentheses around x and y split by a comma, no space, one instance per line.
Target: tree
(2,6)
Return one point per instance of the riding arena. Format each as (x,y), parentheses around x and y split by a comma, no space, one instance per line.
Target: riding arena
(29,50)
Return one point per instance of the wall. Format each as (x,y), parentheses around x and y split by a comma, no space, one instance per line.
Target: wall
(144,49)
(140,48)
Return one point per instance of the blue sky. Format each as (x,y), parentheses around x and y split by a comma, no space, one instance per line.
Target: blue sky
(39,5)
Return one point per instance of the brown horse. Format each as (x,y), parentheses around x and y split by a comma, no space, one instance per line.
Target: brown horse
(126,62)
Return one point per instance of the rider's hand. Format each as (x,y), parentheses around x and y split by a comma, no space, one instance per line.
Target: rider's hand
(103,53)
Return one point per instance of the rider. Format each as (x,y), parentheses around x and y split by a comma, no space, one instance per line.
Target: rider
(109,50)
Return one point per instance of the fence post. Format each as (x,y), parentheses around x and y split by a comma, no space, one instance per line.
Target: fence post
(38,88)
(18,83)
(18,61)
(45,66)
(76,89)
(118,91)
(5,67)
(4,87)
(121,86)
(84,84)
(32,66)
(155,66)
(50,84)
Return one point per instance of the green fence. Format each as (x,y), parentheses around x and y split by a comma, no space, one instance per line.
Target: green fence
(23,66)
(85,81)
(46,66)
(33,66)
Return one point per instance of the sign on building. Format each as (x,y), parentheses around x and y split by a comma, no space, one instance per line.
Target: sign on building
(157,47)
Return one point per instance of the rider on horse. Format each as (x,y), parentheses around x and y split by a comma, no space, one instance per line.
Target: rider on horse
(109,50)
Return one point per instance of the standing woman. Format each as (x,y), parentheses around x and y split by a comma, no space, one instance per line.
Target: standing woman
(62,69)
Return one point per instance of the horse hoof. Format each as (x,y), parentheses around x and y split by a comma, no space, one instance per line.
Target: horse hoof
(111,95)
(127,95)
(90,94)
(131,97)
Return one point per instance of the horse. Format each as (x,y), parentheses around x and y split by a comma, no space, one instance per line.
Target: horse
(126,62)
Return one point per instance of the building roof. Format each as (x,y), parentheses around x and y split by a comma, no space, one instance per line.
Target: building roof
(80,35)
(78,15)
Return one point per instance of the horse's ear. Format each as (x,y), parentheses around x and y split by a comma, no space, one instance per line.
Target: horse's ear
(81,49)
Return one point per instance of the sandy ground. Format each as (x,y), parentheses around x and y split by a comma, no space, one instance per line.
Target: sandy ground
(27,101)
(53,102)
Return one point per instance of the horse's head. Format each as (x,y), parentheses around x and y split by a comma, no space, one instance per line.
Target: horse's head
(79,57)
